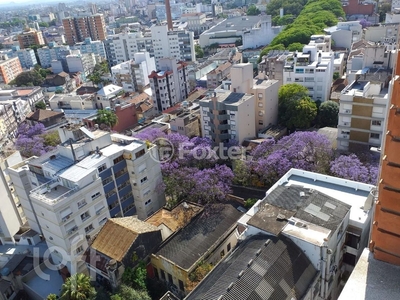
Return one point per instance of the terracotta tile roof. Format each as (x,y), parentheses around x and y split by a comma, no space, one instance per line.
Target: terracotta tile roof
(118,234)
(139,98)
(43,114)
(175,218)
(24,92)
(62,74)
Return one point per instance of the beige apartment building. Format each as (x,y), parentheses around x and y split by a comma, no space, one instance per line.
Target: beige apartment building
(30,37)
(9,68)
(79,28)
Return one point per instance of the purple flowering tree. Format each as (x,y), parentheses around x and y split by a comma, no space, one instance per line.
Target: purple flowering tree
(31,140)
(150,134)
(350,167)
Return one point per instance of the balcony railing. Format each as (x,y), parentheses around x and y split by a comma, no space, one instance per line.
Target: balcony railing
(72,230)
(67,217)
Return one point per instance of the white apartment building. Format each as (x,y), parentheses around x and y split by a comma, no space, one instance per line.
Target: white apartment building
(26,57)
(344,34)
(362,114)
(93,175)
(133,75)
(264,90)
(366,54)
(83,63)
(196,22)
(312,69)
(327,217)
(75,102)
(169,84)
(178,43)
(89,46)
(52,52)
(261,34)
(321,41)
(227,116)
(384,33)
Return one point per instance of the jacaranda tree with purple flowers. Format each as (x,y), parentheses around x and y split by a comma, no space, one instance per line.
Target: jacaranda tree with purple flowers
(33,140)
(192,172)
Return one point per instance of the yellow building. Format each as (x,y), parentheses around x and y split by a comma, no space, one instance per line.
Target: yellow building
(199,245)
(30,37)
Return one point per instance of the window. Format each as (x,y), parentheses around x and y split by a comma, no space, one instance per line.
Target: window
(102,168)
(162,274)
(260,95)
(79,250)
(140,153)
(170,278)
(181,286)
(148,202)
(94,196)
(85,216)
(118,159)
(376,123)
(89,228)
(228,247)
(260,104)
(156,273)
(143,180)
(349,259)
(222,254)
(260,122)
(374,135)
(81,203)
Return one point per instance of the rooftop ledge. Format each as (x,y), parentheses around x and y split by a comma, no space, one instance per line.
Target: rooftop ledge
(52,192)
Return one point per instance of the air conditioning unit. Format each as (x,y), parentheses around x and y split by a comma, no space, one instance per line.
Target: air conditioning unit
(347,111)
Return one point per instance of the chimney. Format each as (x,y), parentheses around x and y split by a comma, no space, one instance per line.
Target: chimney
(168,12)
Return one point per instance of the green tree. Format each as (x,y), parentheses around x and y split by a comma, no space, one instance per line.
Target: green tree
(336,75)
(99,70)
(51,138)
(288,96)
(106,117)
(382,10)
(127,293)
(328,114)
(43,24)
(253,10)
(136,277)
(29,78)
(52,297)
(199,51)
(40,105)
(295,47)
(285,20)
(301,113)
(78,287)
(250,202)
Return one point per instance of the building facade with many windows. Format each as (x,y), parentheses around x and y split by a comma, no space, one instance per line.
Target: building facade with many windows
(77,29)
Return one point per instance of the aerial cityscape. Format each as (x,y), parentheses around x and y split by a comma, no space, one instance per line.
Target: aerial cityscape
(204,150)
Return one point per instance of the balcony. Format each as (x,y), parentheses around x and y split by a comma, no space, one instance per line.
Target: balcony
(66,218)
(72,230)
(98,212)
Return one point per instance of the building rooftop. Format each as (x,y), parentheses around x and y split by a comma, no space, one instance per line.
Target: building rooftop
(372,279)
(221,68)
(189,244)
(230,98)
(46,282)
(234,24)
(308,205)
(41,115)
(118,234)
(260,267)
(108,90)
(176,218)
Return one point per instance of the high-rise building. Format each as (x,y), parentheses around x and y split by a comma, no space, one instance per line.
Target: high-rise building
(77,29)
(52,52)
(89,46)
(385,241)
(69,193)
(30,37)
(169,84)
(9,68)
(26,57)
(83,63)
(227,116)
(133,75)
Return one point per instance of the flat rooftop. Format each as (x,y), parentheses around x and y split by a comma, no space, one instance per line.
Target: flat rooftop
(372,279)
(50,283)
(235,23)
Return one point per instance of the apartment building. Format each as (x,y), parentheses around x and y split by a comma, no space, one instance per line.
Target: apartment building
(385,226)
(88,46)
(169,84)
(9,68)
(260,34)
(227,116)
(26,57)
(273,63)
(366,54)
(196,22)
(328,218)
(30,37)
(52,52)
(123,46)
(344,34)
(216,76)
(133,75)
(177,43)
(362,113)
(77,29)
(382,33)
(312,69)
(265,92)
(68,194)
(83,63)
